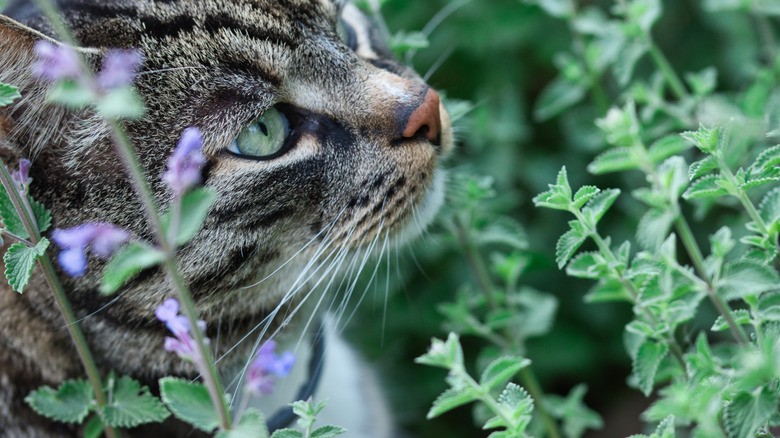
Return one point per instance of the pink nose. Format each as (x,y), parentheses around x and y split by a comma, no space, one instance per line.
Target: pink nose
(425,120)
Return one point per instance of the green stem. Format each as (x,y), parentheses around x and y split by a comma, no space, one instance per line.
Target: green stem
(531,383)
(476,263)
(486,398)
(142,189)
(76,335)
(674,81)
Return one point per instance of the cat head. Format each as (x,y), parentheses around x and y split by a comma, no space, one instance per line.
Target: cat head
(317,141)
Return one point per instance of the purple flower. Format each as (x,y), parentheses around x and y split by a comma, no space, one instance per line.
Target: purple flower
(183,344)
(55,62)
(21,177)
(101,238)
(265,366)
(119,68)
(185,162)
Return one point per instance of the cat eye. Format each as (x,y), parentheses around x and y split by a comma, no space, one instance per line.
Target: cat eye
(264,137)
(347,34)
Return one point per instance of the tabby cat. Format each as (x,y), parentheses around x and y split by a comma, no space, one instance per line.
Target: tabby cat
(347,159)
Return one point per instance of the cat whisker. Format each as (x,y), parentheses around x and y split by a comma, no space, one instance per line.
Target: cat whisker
(439,61)
(118,296)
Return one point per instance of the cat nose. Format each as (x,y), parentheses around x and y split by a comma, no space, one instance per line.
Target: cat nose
(424,120)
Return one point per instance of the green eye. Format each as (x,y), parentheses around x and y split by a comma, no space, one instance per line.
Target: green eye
(264,137)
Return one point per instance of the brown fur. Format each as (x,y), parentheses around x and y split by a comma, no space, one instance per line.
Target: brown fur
(215,64)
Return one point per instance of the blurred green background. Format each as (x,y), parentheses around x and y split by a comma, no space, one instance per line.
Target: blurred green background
(499,55)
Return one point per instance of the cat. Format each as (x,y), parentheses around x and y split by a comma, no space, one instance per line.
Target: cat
(353,163)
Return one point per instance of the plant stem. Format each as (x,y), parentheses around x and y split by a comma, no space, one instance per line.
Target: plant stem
(531,383)
(674,81)
(476,263)
(76,335)
(141,186)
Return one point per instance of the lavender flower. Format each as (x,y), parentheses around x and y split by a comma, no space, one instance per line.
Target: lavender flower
(266,364)
(185,162)
(183,344)
(119,68)
(101,238)
(55,62)
(21,177)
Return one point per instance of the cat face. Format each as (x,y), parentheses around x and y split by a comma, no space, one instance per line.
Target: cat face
(318,143)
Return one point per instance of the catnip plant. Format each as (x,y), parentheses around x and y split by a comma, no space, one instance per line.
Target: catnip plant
(121,402)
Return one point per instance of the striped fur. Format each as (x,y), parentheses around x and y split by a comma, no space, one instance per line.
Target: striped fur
(349,180)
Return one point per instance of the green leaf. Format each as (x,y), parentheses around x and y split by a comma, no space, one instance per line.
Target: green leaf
(595,209)
(769,208)
(443,354)
(502,369)
(13,224)
(8,94)
(557,8)
(94,427)
(42,215)
(20,261)
(131,405)
(705,139)
(328,432)
(746,277)
(767,159)
(587,265)
(189,402)
(722,242)
(451,399)
(703,82)
(121,103)
(287,433)
(567,245)
(502,230)
(769,307)
(666,428)
(740,316)
(606,290)
(584,194)
(653,228)
(748,412)
(70,403)
(556,97)
(702,167)
(127,262)
(70,94)
(613,160)
(251,425)
(705,187)
(666,147)
(195,206)
(646,363)
(626,60)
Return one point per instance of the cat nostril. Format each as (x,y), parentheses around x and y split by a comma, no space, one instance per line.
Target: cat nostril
(425,120)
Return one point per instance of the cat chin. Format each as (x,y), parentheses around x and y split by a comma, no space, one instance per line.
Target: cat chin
(426,211)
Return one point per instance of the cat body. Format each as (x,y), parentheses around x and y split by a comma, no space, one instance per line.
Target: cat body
(358,168)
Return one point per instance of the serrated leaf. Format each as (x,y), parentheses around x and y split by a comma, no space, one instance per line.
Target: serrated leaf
(567,245)
(42,215)
(769,307)
(587,265)
(8,94)
(705,187)
(94,427)
(665,429)
(131,405)
(189,402)
(328,432)
(195,206)
(665,147)
(502,369)
(740,316)
(451,399)
(584,194)
(769,208)
(646,364)
(626,60)
(443,354)
(287,433)
(11,221)
(702,167)
(607,290)
(595,209)
(251,425)
(746,277)
(613,160)
(126,263)
(748,412)
(653,228)
(767,159)
(20,261)
(503,230)
(556,97)
(70,403)
(517,400)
